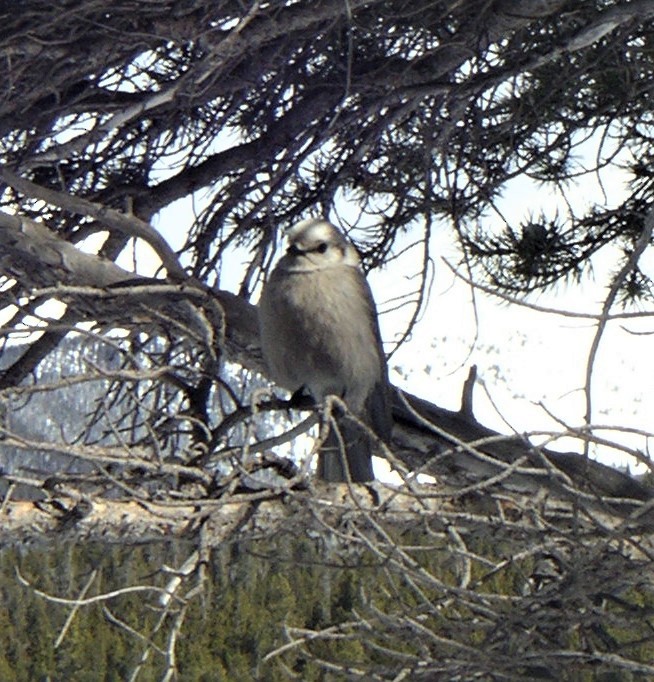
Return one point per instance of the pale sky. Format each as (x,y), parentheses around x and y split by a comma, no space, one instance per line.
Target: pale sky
(525,357)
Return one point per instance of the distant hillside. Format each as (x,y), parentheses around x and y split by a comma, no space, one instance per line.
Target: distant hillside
(55,415)
(75,412)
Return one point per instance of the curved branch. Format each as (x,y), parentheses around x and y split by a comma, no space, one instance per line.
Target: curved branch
(643,241)
(128,225)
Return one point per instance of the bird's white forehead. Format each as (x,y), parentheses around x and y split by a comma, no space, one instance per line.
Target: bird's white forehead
(312,229)
(309,234)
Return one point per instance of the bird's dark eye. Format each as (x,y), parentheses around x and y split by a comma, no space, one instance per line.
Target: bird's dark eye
(322,247)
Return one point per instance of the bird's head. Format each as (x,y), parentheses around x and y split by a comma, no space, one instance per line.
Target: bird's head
(316,244)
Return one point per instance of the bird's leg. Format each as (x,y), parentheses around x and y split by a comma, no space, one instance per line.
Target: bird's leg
(301,400)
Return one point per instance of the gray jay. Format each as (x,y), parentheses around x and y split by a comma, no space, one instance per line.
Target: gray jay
(319,333)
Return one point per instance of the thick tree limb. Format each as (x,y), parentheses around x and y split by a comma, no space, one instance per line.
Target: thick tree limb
(53,268)
(128,225)
(244,516)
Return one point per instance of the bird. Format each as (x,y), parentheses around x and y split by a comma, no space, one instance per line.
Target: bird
(320,335)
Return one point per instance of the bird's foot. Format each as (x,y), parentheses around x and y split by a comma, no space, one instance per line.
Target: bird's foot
(301,400)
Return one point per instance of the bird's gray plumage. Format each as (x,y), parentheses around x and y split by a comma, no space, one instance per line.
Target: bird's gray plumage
(319,331)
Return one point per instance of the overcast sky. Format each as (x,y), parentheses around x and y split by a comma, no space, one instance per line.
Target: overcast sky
(531,363)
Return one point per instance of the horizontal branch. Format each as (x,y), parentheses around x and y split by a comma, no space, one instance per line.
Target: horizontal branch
(128,225)
(39,259)
(213,522)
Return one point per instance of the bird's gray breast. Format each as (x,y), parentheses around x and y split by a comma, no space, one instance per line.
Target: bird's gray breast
(318,330)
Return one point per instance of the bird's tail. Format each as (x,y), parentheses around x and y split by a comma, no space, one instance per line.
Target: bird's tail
(346,453)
